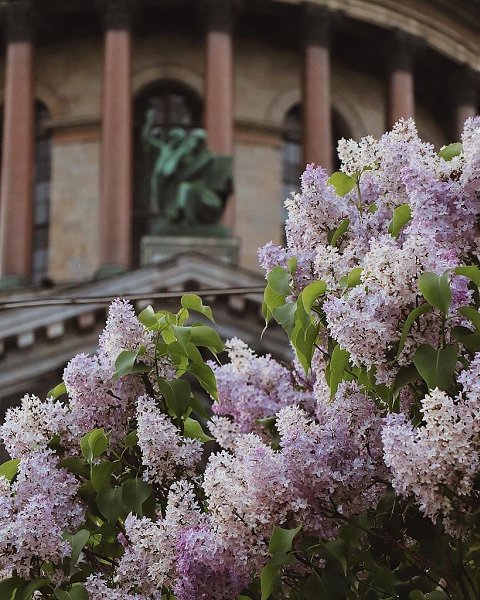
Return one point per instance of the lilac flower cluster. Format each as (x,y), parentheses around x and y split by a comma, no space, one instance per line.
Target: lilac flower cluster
(166,454)
(35,511)
(252,387)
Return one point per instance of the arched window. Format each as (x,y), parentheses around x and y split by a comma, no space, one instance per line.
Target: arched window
(167,104)
(41,195)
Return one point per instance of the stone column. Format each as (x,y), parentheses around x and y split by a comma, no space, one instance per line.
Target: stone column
(317,124)
(401,92)
(17,147)
(219,115)
(466,99)
(115,212)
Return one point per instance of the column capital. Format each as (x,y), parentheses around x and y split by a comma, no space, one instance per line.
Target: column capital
(401,50)
(19,20)
(317,24)
(220,15)
(117,13)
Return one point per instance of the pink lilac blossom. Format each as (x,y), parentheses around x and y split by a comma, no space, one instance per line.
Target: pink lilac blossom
(30,426)
(34,512)
(123,331)
(252,387)
(98,589)
(96,400)
(206,568)
(165,453)
(440,455)
(149,562)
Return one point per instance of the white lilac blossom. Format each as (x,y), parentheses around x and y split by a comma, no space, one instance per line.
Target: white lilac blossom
(166,454)
(35,511)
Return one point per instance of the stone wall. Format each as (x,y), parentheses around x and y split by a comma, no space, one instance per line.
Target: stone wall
(267,85)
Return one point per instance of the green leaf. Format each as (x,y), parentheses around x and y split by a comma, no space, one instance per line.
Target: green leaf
(193,429)
(271,300)
(182,334)
(269,580)
(76,592)
(303,341)
(471,314)
(147,318)
(93,444)
(279,280)
(471,272)
(285,316)
(401,216)
(57,391)
(436,367)
(292,264)
(410,320)
(75,465)
(341,182)
(383,579)
(405,375)
(177,395)
(124,363)
(9,468)
(131,439)
(77,541)
(281,540)
(339,549)
(471,342)
(110,503)
(450,151)
(339,231)
(436,595)
(101,474)
(134,493)
(311,293)
(194,302)
(204,336)
(338,364)
(206,378)
(352,279)
(436,290)
(9,585)
(33,586)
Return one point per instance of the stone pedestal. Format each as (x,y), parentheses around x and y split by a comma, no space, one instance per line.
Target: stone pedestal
(156,248)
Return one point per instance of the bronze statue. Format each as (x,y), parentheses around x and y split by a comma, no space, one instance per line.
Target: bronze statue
(189,185)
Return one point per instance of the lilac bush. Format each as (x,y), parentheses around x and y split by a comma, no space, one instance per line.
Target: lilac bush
(352,473)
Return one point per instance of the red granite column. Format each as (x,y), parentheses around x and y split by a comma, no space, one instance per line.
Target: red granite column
(466,99)
(401,92)
(115,218)
(17,148)
(317,142)
(219,117)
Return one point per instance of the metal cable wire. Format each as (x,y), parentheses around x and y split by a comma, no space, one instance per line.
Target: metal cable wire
(37,302)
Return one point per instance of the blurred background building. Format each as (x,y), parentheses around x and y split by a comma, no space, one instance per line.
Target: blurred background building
(274,82)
